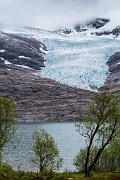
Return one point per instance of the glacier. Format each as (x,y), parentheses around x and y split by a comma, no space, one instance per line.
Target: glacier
(76,59)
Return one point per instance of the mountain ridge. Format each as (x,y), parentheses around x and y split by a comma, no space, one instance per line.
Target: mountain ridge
(21,51)
(96,27)
(38,98)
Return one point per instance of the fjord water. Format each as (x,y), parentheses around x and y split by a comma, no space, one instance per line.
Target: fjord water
(19,150)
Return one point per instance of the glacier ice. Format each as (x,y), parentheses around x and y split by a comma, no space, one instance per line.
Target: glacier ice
(79,62)
(75,60)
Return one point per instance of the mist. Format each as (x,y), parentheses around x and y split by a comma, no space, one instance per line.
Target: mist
(55,14)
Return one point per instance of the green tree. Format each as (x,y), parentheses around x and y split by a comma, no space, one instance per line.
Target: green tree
(46,152)
(99,127)
(79,160)
(111,156)
(7,121)
(108,161)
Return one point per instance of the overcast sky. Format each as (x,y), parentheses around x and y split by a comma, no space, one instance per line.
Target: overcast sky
(54,14)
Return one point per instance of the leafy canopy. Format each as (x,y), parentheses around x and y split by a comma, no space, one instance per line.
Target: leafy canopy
(7,120)
(100,126)
(46,152)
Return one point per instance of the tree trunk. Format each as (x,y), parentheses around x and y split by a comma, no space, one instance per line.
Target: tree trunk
(86,162)
(87,172)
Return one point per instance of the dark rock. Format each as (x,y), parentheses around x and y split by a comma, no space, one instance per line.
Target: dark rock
(80,28)
(64,31)
(67,31)
(114,62)
(102,33)
(97,23)
(41,99)
(94,23)
(21,51)
(113,79)
(116,31)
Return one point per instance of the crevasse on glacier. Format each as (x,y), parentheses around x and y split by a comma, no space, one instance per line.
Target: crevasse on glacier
(75,60)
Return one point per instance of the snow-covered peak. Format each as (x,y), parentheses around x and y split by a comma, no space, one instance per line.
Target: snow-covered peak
(95,27)
(94,24)
(74,58)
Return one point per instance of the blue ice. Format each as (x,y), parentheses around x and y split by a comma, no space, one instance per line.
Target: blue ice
(77,61)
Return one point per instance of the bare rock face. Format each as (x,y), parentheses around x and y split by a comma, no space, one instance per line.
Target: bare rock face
(94,23)
(41,99)
(21,51)
(36,98)
(115,32)
(113,79)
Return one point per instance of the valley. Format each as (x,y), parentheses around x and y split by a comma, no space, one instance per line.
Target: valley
(52,75)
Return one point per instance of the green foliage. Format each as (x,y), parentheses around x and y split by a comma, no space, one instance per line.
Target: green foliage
(108,161)
(110,158)
(79,160)
(5,168)
(99,127)
(21,175)
(7,121)
(7,173)
(46,152)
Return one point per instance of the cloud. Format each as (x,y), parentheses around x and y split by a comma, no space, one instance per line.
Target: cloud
(53,14)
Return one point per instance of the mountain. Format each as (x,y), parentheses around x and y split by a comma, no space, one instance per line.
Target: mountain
(97,26)
(113,80)
(52,75)
(36,98)
(21,51)
(75,59)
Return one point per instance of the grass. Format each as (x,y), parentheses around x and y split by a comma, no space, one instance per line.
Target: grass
(95,176)
(7,173)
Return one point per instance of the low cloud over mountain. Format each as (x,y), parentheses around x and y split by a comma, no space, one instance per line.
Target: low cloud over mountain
(53,14)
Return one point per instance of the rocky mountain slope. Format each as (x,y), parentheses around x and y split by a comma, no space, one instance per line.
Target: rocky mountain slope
(42,99)
(97,26)
(21,51)
(113,80)
(36,98)
(94,24)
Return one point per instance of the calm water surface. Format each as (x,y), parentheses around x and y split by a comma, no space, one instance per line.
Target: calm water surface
(68,140)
